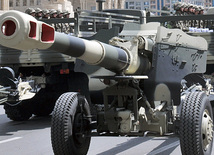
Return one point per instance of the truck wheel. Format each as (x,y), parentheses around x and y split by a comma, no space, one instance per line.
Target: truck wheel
(43,109)
(70,132)
(196,125)
(43,103)
(18,112)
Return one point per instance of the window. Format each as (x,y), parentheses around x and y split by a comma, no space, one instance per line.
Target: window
(17,2)
(152,2)
(31,2)
(24,2)
(131,7)
(146,3)
(11,3)
(93,7)
(153,7)
(138,8)
(38,2)
(138,4)
(131,3)
(127,5)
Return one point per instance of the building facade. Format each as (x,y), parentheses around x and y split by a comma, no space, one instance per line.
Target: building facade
(4,5)
(70,5)
(208,3)
(22,5)
(92,5)
(114,4)
(148,4)
(84,4)
(159,4)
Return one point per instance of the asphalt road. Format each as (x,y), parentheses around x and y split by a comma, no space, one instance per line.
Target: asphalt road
(33,138)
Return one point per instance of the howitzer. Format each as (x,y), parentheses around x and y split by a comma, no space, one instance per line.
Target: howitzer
(33,34)
(159,86)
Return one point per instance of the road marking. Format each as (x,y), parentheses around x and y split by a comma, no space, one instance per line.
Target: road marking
(164,148)
(9,140)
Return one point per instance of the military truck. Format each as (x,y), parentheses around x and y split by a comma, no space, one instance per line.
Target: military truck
(31,80)
(153,82)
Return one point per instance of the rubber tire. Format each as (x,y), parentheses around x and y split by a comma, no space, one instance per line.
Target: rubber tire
(18,112)
(43,103)
(191,141)
(63,140)
(42,109)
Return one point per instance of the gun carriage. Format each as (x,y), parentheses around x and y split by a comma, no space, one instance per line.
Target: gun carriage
(153,81)
(49,74)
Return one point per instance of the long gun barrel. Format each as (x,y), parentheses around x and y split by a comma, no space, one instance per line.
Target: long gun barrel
(24,32)
(128,54)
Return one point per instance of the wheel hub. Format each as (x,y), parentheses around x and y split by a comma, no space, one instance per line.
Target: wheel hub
(80,131)
(207,129)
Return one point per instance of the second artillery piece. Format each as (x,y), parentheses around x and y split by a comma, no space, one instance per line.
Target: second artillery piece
(155,84)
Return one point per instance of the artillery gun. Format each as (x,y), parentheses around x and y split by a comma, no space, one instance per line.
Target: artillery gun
(154,84)
(46,75)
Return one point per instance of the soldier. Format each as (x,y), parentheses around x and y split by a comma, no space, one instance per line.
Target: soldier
(66,14)
(68,26)
(186,9)
(30,11)
(53,13)
(59,14)
(190,9)
(203,24)
(193,9)
(177,8)
(196,12)
(38,13)
(182,6)
(60,27)
(190,12)
(46,14)
(193,22)
(201,10)
(173,24)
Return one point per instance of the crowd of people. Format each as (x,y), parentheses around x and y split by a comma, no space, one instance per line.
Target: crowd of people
(182,9)
(188,9)
(49,14)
